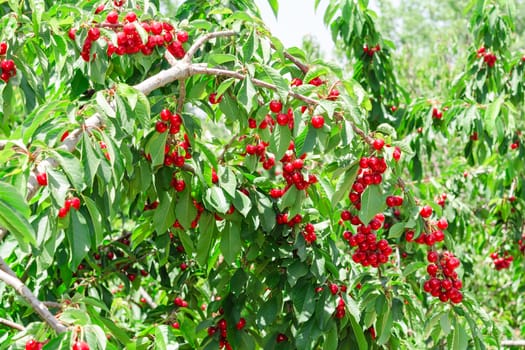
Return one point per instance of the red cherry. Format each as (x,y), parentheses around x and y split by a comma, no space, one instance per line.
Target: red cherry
(442,224)
(432,256)
(175,325)
(99,9)
(213,98)
(161,127)
(378,144)
(33,345)
(131,17)
(112,17)
(94,34)
(183,266)
(75,203)
(240,325)
(281,338)
(276,106)
(317,121)
(182,36)
(41,178)
(62,212)
(80,345)
(72,33)
(426,211)
(3,48)
(299,82)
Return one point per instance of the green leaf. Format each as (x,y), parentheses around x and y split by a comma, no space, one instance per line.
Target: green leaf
(231,242)
(18,225)
(155,148)
(246,94)
(96,219)
(281,138)
(372,203)
(12,197)
(460,340)
(78,237)
(359,334)
(344,183)
(274,4)
(277,79)
(242,203)
(90,161)
(71,167)
(220,58)
(216,199)
(164,216)
(385,327)
(444,321)
(227,180)
(207,231)
(331,339)
(289,198)
(185,211)
(396,230)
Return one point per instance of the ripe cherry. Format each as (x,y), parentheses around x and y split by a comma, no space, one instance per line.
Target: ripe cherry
(112,17)
(276,106)
(34,345)
(442,224)
(281,338)
(80,345)
(317,121)
(93,34)
(240,325)
(426,211)
(75,203)
(182,36)
(3,48)
(378,144)
(214,99)
(72,33)
(175,325)
(62,212)
(131,17)
(161,127)
(42,179)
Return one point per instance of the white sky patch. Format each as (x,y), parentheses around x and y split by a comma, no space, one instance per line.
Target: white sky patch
(297,18)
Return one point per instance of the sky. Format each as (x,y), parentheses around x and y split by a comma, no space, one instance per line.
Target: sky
(296,19)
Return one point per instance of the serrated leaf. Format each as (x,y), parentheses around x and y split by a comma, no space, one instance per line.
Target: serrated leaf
(206,233)
(185,211)
(242,203)
(227,180)
(276,78)
(216,199)
(372,203)
(231,242)
(344,183)
(396,230)
(78,238)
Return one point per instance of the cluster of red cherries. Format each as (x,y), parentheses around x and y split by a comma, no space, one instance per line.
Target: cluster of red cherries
(443,282)
(175,153)
(7,67)
(501,261)
(370,251)
(129,41)
(36,345)
(69,203)
(221,327)
(436,229)
(488,57)
(259,150)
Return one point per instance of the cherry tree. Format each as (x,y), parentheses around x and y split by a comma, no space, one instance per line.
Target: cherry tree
(183,180)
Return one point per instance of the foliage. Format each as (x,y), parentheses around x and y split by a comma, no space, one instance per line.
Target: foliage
(217,191)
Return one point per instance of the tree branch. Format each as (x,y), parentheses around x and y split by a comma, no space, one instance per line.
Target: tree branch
(12,324)
(36,304)
(303,67)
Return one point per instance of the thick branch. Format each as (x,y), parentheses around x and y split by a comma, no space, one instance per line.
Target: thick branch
(12,324)
(36,304)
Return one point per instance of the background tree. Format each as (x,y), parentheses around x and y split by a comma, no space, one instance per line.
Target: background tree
(182,180)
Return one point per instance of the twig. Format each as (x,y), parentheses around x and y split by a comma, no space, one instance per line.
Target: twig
(148,298)
(304,68)
(199,42)
(52,305)
(182,95)
(36,304)
(169,57)
(12,324)
(220,159)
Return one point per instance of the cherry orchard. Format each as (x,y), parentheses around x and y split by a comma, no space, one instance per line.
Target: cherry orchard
(186,181)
